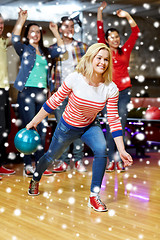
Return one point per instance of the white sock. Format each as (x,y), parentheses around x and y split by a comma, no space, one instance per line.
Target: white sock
(92,194)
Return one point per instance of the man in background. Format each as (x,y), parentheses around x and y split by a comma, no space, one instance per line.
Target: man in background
(5,120)
(62,67)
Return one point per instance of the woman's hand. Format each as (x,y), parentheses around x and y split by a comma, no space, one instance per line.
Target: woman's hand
(122,13)
(126,158)
(23,14)
(31,125)
(100,10)
(103,5)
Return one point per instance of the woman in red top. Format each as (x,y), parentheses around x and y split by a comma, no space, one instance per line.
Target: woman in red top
(120,75)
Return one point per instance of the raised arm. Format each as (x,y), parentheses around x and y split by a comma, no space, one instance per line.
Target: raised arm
(20,22)
(129,44)
(100,30)
(54,29)
(100,10)
(124,14)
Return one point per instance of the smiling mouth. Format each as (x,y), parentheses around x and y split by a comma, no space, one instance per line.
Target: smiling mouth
(115,43)
(102,67)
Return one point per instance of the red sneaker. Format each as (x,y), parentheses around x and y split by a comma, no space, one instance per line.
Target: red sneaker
(120,167)
(110,167)
(79,166)
(47,173)
(5,171)
(61,167)
(33,188)
(96,203)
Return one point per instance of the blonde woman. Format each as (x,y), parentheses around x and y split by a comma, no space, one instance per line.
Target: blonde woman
(88,88)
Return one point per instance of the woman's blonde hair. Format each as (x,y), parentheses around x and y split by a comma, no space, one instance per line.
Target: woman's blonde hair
(85,65)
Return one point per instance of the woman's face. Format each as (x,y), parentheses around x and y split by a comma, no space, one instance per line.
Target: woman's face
(34,34)
(113,40)
(101,61)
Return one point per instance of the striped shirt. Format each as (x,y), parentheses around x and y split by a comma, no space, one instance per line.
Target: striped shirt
(85,102)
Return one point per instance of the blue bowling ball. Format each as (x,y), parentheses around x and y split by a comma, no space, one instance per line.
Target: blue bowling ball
(27,141)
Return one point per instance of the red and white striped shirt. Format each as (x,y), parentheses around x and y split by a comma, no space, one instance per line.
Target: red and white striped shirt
(85,101)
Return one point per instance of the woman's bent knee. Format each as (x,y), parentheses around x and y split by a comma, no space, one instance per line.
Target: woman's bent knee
(48,157)
(100,150)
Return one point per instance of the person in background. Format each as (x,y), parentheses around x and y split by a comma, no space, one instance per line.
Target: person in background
(5,118)
(34,77)
(120,75)
(64,65)
(94,74)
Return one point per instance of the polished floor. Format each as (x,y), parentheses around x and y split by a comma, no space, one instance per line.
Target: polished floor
(61,211)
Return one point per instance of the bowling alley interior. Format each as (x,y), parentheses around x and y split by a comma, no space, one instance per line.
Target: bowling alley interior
(132,196)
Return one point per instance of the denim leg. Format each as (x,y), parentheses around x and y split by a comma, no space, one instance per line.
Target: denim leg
(30,101)
(77,144)
(124,99)
(61,139)
(111,147)
(78,150)
(40,98)
(95,139)
(3,103)
(58,114)
(5,121)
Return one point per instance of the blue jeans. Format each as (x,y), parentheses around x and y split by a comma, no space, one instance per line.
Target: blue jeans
(77,144)
(63,137)
(5,118)
(30,101)
(5,121)
(124,99)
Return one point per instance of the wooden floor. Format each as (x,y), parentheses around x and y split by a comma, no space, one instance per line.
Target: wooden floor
(61,212)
